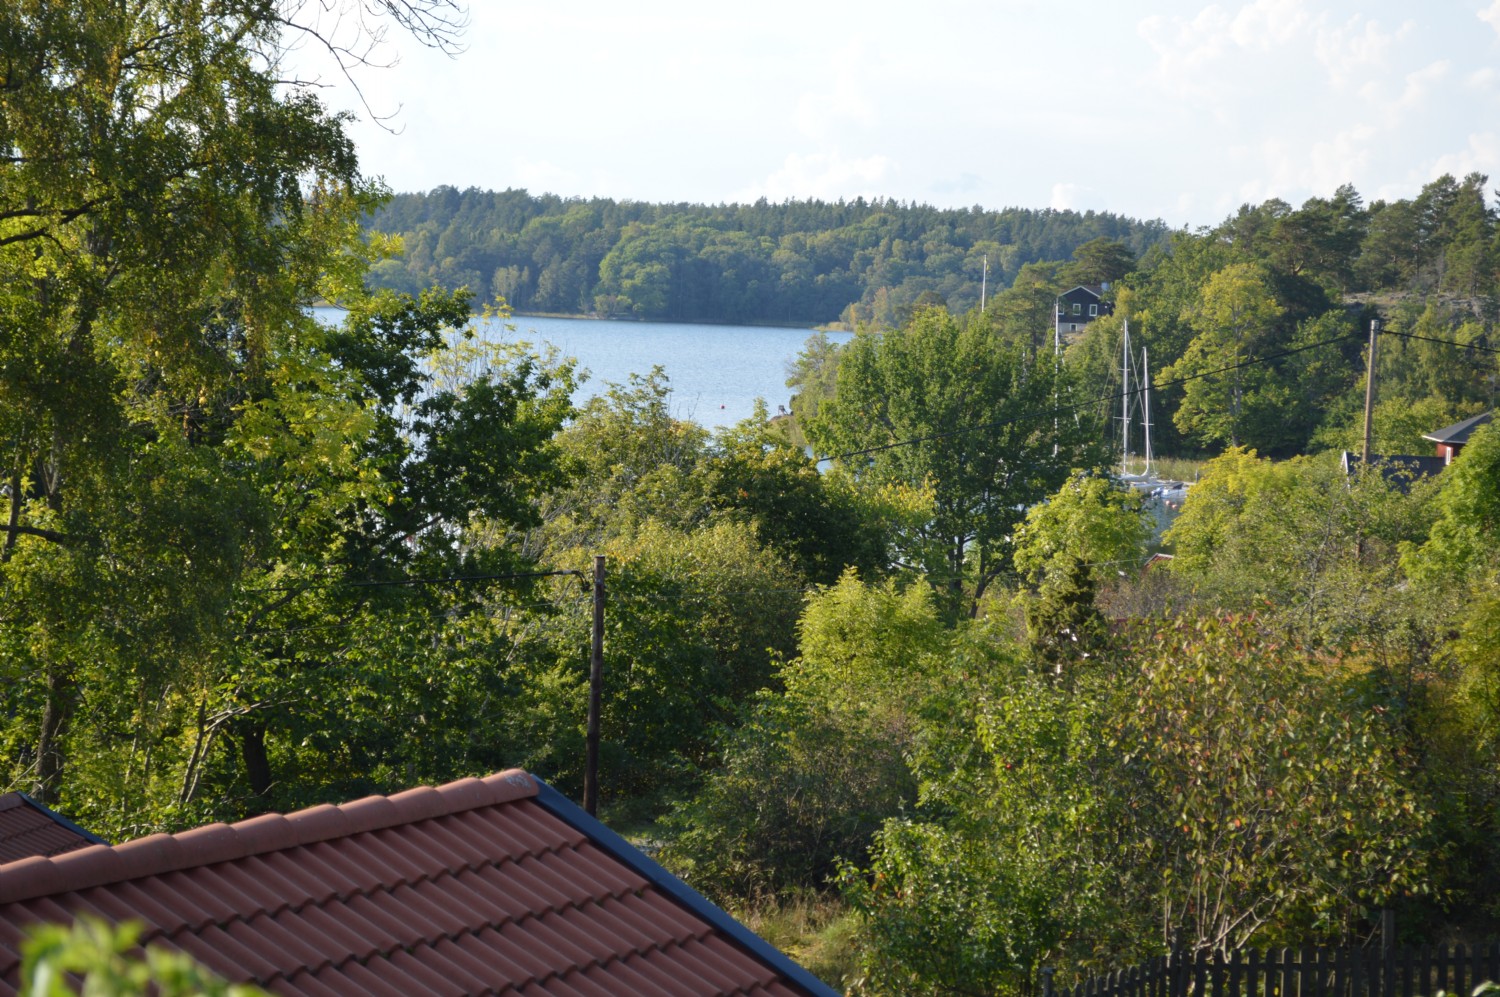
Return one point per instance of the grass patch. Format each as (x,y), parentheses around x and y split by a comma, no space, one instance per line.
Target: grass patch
(817,930)
(1178,468)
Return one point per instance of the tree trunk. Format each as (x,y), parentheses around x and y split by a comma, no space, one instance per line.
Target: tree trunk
(253,753)
(56,712)
(15,517)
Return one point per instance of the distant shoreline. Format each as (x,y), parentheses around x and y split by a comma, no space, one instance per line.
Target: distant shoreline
(669,321)
(825,327)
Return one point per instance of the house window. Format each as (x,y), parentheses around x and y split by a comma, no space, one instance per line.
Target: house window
(1077,308)
(1093,311)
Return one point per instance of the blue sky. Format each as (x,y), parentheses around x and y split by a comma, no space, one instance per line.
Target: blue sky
(1173,110)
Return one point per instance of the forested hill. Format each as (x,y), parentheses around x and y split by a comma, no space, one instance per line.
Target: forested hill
(797,262)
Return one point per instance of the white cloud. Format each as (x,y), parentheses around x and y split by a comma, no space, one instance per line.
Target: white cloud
(1294,170)
(819,112)
(1073,197)
(540,176)
(1340,159)
(1357,48)
(1420,84)
(1266,25)
(1481,155)
(1191,52)
(826,175)
(1185,48)
(1491,16)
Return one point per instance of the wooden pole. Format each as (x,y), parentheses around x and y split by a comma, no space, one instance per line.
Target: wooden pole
(596,687)
(1370,391)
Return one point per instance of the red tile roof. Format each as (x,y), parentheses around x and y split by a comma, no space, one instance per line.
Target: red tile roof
(28,828)
(482,886)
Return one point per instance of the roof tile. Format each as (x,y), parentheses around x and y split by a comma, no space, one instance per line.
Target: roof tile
(181,897)
(494,950)
(209,844)
(335,937)
(250,963)
(371,814)
(212,899)
(305,984)
(357,978)
(658,976)
(427,979)
(492,885)
(393,860)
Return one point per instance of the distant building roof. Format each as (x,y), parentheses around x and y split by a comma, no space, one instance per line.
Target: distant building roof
(27,828)
(497,886)
(1095,291)
(1399,469)
(1458,433)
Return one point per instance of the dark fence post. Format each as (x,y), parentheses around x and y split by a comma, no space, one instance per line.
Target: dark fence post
(1387,985)
(1310,971)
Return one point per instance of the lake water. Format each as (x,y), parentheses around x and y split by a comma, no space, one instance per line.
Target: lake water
(716,371)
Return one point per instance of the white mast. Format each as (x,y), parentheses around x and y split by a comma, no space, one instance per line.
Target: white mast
(984,281)
(1146,397)
(1125,402)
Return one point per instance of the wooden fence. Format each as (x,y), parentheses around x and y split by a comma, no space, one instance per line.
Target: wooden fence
(1305,972)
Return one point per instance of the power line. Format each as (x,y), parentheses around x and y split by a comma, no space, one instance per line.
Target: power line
(385,619)
(1441,342)
(395,582)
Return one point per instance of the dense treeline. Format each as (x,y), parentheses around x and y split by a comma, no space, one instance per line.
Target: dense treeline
(1272,281)
(251,562)
(799,262)
(1293,287)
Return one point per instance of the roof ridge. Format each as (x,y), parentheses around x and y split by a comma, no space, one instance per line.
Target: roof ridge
(212,843)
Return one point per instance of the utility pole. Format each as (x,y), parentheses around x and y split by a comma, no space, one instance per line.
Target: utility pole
(1370,391)
(984,280)
(596,686)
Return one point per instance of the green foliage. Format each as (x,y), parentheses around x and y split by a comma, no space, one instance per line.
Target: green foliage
(1211,781)
(816,520)
(1099,261)
(1235,319)
(632,460)
(1089,520)
(813,373)
(216,503)
(1307,547)
(812,262)
(1063,624)
(1266,767)
(100,956)
(695,622)
(1465,538)
(810,775)
(940,403)
(799,789)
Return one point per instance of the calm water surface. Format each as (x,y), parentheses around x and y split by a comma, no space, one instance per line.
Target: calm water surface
(716,371)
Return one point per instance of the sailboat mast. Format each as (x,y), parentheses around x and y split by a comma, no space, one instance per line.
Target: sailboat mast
(1146,402)
(1125,401)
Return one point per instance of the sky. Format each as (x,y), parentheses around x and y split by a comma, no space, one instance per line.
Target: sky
(1181,111)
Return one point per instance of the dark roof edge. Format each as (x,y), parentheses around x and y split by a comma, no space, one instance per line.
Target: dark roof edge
(59,819)
(569,812)
(1459,432)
